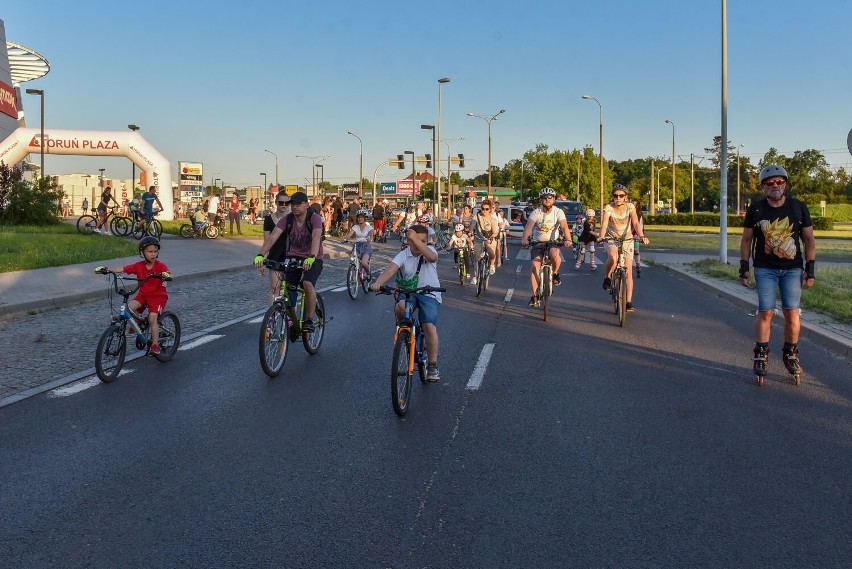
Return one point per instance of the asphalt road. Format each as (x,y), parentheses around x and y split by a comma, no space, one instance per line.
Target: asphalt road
(587,445)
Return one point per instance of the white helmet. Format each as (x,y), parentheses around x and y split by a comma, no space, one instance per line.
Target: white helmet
(547,193)
(459,227)
(773,170)
(590,212)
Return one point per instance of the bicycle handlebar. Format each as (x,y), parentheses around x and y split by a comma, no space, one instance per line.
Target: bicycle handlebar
(281,266)
(387,289)
(139,282)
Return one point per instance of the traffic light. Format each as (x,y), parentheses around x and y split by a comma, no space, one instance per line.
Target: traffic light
(428,161)
(400,161)
(461,160)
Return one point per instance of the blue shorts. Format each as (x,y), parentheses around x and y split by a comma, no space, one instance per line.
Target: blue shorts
(428,306)
(768,281)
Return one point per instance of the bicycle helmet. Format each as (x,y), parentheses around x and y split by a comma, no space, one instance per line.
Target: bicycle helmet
(361,213)
(425,218)
(590,212)
(772,171)
(459,227)
(619,187)
(547,193)
(146,241)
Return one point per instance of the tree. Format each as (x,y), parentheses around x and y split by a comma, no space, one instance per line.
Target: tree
(23,202)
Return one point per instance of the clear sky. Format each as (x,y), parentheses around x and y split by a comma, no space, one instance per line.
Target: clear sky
(220,82)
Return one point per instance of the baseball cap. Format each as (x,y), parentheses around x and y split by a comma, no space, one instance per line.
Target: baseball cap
(299,197)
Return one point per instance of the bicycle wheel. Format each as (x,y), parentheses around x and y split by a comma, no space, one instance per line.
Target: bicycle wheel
(138,230)
(544,287)
(615,291)
(186,231)
(112,348)
(422,358)
(313,340)
(120,226)
(366,278)
(211,232)
(481,267)
(155,228)
(622,300)
(169,339)
(400,374)
(352,281)
(87,224)
(273,340)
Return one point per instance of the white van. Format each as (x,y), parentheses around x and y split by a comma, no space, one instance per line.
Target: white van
(517,217)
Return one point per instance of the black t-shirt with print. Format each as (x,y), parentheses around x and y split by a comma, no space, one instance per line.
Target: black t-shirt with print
(777,233)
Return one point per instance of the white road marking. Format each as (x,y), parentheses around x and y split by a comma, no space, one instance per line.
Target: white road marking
(81,385)
(509,294)
(200,341)
(339,289)
(478,374)
(518,271)
(257,320)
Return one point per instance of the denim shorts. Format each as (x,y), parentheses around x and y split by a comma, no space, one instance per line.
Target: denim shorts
(768,281)
(428,306)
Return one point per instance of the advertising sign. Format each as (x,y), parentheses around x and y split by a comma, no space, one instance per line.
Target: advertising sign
(388,188)
(408,187)
(350,191)
(190,176)
(8,102)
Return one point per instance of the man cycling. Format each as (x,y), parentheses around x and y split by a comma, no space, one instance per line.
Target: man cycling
(304,241)
(544,225)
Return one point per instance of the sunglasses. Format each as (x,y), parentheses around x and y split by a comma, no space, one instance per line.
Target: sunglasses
(774,183)
(281,203)
(619,196)
(486,209)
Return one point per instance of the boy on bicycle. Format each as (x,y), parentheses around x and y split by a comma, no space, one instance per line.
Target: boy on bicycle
(152,293)
(461,242)
(417,266)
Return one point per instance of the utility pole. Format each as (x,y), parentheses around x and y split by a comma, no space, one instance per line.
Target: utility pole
(651,206)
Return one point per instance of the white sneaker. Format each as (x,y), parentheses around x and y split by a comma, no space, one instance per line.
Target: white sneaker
(474,280)
(96,230)
(492,270)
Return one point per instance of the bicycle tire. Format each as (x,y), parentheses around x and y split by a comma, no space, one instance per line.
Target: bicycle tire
(155,228)
(186,231)
(352,281)
(622,300)
(487,276)
(120,226)
(366,278)
(615,291)
(273,340)
(480,270)
(400,373)
(138,230)
(112,349)
(169,339)
(421,361)
(313,341)
(545,288)
(86,224)
(211,232)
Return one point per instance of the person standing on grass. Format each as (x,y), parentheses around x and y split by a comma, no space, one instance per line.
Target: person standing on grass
(234,213)
(778,236)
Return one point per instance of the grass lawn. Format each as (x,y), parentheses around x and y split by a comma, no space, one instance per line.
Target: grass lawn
(840,231)
(36,247)
(831,294)
(829,247)
(249,230)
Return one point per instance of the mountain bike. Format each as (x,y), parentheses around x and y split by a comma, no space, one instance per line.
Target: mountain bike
(88,224)
(483,271)
(284,321)
(409,348)
(112,347)
(204,229)
(545,274)
(462,264)
(356,274)
(442,236)
(618,288)
(145,227)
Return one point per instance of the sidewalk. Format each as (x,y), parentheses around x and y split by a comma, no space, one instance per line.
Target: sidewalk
(818,328)
(189,259)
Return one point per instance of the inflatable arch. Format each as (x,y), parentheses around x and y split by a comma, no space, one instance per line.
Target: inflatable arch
(130,144)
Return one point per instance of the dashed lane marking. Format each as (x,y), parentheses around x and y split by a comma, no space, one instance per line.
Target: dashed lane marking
(509,294)
(81,385)
(481,365)
(201,341)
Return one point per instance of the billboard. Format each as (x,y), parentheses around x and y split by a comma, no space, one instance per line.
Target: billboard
(388,188)
(190,176)
(408,187)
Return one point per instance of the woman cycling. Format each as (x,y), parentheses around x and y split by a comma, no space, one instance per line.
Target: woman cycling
(620,223)
(362,233)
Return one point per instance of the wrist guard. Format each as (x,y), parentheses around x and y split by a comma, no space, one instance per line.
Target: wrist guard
(743,269)
(809,269)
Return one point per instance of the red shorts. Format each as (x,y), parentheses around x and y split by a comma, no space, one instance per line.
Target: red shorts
(156,303)
(379,225)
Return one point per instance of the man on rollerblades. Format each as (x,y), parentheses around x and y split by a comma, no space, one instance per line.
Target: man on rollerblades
(778,235)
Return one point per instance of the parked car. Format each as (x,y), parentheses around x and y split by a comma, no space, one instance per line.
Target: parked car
(571,208)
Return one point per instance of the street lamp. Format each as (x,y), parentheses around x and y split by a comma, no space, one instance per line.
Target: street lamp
(134,128)
(322,176)
(313,160)
(276,164)
(434,162)
(488,121)
(600,134)
(674,167)
(40,93)
(437,151)
(738,177)
(361,167)
(265,191)
(450,197)
(658,178)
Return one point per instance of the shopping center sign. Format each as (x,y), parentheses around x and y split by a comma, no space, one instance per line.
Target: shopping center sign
(8,101)
(408,187)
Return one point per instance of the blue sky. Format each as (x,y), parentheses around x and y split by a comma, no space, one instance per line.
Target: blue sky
(219,83)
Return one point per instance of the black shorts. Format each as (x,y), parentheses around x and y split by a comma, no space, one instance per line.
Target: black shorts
(311,275)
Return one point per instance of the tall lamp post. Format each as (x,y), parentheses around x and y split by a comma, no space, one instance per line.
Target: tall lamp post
(134,128)
(434,163)
(413,173)
(449,171)
(600,134)
(437,153)
(738,178)
(265,192)
(674,168)
(276,164)
(658,180)
(361,166)
(488,121)
(321,176)
(313,160)
(40,93)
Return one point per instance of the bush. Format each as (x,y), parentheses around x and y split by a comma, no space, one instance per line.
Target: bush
(23,202)
(712,220)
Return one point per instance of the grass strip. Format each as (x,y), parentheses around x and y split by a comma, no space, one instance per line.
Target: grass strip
(23,251)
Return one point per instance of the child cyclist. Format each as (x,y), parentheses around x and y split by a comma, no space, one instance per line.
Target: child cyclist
(152,293)
(362,232)
(462,244)
(587,239)
(418,266)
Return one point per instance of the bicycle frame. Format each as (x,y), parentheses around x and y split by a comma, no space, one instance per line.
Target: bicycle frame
(284,289)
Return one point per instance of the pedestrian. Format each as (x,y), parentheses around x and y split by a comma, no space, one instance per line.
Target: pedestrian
(234,214)
(778,236)
(85,206)
(253,210)
(213,209)
(378,221)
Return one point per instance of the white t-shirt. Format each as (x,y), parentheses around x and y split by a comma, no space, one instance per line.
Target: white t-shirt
(547,225)
(362,234)
(458,241)
(407,264)
(213,205)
